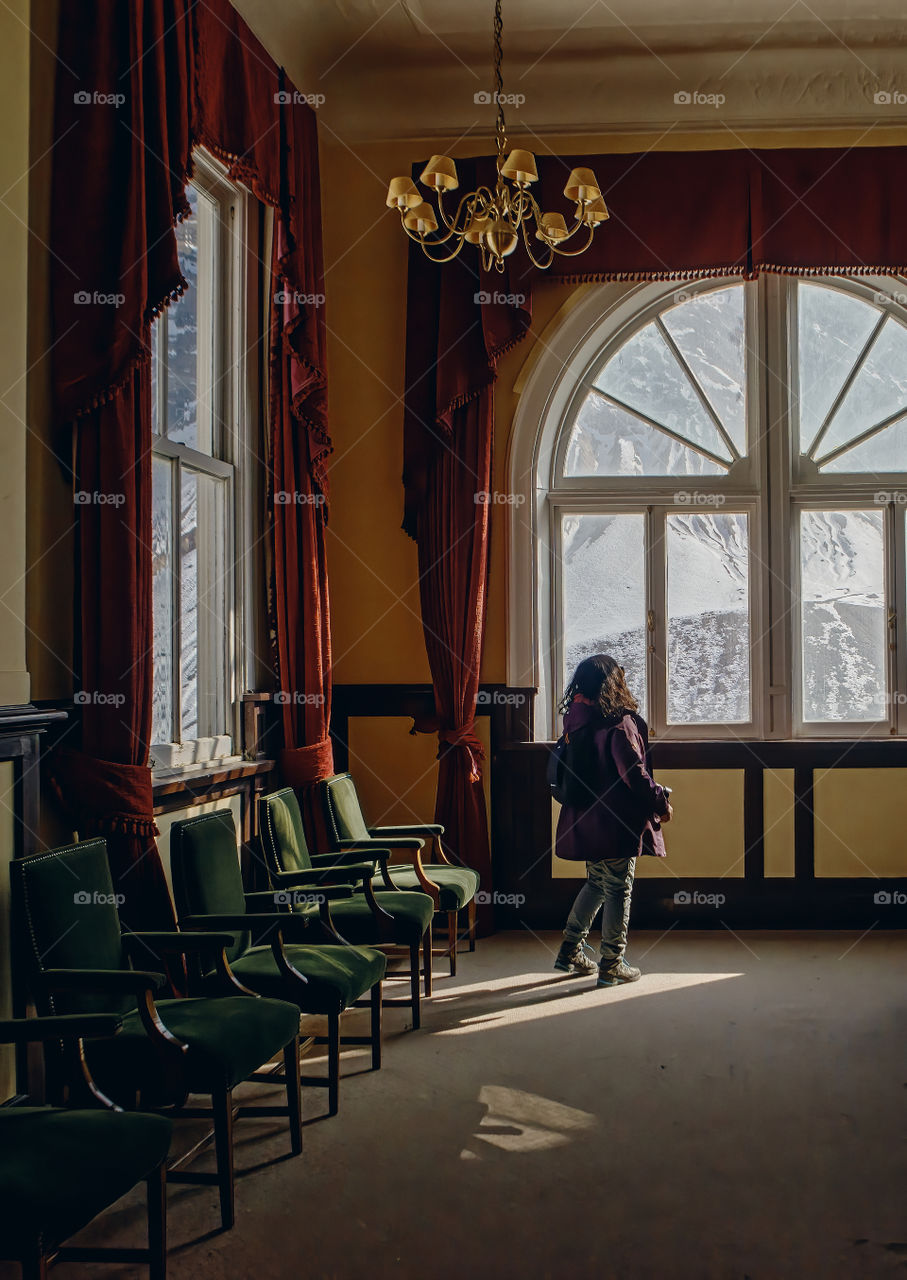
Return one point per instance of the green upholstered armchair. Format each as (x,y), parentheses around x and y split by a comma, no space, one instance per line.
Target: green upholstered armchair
(59,1169)
(77,960)
(314,968)
(451,886)
(386,919)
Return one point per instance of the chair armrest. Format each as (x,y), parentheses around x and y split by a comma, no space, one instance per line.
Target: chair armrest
(272,900)
(76,1026)
(119,982)
(334,874)
(412,829)
(364,849)
(181,943)
(285,921)
(387,843)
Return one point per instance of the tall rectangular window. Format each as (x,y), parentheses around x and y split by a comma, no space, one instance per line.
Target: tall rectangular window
(198,428)
(843,641)
(708,619)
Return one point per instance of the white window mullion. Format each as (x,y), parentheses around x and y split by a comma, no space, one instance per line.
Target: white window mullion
(656,619)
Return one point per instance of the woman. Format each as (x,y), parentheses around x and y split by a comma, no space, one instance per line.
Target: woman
(621,820)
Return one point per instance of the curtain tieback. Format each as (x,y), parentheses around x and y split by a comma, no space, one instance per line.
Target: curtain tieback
(465,737)
(102,795)
(303,766)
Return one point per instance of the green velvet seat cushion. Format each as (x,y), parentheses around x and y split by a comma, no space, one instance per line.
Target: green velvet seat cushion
(354,921)
(457,885)
(228,1038)
(59,1169)
(337,975)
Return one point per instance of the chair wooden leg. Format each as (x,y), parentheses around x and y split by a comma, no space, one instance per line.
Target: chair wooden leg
(452,941)
(376,1024)
(333,1063)
(34,1265)
(157,1223)
(294,1094)
(415,984)
(427,959)
(222,1102)
(471,913)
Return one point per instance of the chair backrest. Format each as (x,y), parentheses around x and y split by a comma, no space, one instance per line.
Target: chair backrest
(204,868)
(66,907)
(282,833)
(342,811)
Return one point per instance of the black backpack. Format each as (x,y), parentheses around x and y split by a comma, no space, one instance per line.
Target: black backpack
(572,767)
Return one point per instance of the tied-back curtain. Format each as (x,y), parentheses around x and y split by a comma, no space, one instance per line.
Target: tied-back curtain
(674,215)
(121,159)
(457,330)
(138,85)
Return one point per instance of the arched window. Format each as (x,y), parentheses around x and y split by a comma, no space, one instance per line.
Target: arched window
(716,496)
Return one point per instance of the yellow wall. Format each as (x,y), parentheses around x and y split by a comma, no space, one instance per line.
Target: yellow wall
(49,530)
(14,682)
(14,164)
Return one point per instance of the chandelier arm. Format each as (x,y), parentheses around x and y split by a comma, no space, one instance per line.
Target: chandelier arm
(426,245)
(575,253)
(577,226)
(542,266)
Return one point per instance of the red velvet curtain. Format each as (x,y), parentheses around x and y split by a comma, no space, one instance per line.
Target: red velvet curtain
(457,330)
(120,165)
(673,215)
(137,86)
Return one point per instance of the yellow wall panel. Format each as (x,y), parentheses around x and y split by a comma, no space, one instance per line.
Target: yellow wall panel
(859,822)
(705,837)
(778,810)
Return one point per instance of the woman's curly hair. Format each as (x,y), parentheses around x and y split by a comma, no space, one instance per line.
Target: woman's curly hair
(601,679)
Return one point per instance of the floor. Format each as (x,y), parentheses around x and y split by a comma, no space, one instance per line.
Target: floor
(738,1114)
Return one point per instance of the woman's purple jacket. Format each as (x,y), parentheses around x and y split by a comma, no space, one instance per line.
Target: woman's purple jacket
(623,821)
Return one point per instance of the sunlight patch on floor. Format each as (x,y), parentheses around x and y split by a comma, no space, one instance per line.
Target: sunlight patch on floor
(578,995)
(516,1121)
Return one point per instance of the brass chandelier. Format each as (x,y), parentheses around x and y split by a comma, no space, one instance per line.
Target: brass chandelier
(494,220)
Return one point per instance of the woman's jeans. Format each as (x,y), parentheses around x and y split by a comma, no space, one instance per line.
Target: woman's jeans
(608,887)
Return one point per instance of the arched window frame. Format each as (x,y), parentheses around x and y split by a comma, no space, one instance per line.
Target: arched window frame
(771,484)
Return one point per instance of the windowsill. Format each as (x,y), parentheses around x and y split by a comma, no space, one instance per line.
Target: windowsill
(197,777)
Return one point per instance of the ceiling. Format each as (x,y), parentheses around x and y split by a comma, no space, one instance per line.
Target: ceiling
(412,68)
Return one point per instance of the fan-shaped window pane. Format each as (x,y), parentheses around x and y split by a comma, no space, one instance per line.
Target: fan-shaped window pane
(645,375)
(884,451)
(833,328)
(844,647)
(608,441)
(604,593)
(709,330)
(878,392)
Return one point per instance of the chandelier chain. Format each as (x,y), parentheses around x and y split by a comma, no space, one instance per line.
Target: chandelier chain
(501,128)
